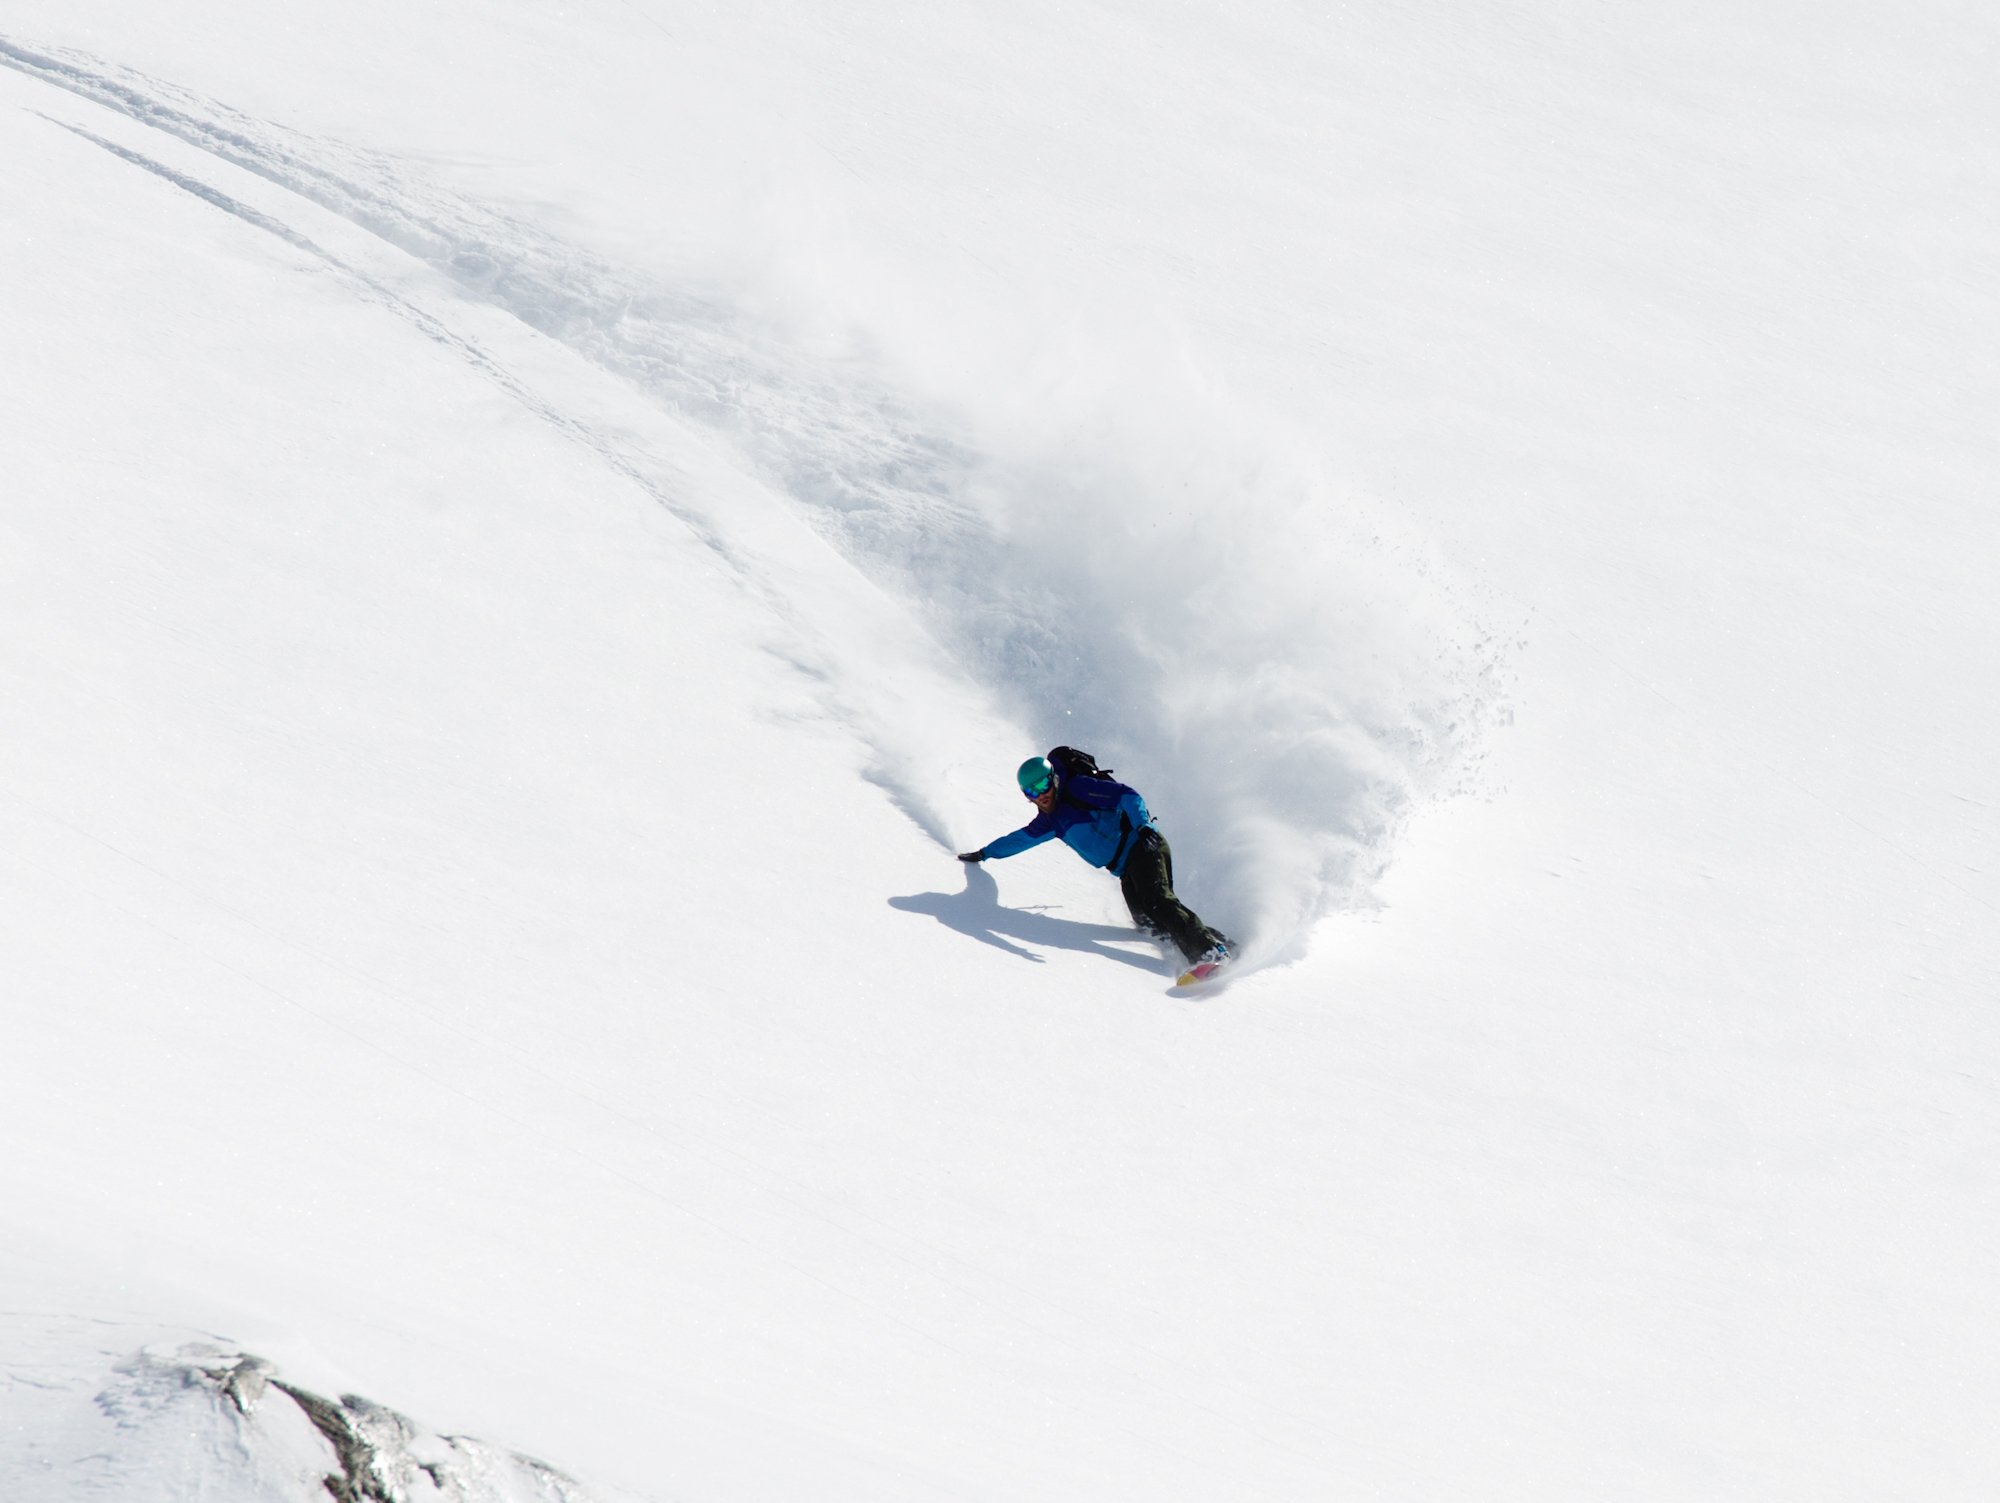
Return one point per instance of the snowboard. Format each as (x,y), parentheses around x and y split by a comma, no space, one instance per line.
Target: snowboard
(1202,970)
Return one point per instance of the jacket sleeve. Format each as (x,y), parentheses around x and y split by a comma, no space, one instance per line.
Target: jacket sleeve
(1030,835)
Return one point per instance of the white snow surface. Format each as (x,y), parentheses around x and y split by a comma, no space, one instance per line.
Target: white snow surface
(530,534)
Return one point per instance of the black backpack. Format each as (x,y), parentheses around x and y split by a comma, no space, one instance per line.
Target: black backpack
(1071,763)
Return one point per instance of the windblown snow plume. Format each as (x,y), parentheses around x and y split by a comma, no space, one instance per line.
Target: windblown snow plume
(1179,589)
(1121,558)
(1131,563)
(1131,567)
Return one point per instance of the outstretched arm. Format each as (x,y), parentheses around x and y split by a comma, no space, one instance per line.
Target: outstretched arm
(1030,835)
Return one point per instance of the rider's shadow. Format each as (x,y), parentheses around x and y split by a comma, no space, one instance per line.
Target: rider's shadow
(977,912)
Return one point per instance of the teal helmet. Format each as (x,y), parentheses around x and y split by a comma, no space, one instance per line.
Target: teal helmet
(1036,777)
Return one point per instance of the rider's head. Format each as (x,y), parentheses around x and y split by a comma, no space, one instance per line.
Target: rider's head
(1038,782)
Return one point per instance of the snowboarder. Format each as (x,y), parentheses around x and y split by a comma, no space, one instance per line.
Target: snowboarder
(1107,824)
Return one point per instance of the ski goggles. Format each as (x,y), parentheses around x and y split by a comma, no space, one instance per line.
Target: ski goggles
(1036,790)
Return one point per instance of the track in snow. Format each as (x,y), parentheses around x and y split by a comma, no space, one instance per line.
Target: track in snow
(1183,594)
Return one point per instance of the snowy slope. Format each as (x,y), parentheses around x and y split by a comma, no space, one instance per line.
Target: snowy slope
(530,537)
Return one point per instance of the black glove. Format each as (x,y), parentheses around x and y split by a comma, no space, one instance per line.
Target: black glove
(972,855)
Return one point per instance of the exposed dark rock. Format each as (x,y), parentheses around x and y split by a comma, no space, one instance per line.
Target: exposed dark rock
(359,1481)
(383,1457)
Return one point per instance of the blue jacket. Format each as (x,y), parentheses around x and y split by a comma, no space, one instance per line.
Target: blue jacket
(1095,817)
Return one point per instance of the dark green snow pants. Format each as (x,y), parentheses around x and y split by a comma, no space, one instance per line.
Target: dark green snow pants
(1148,881)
